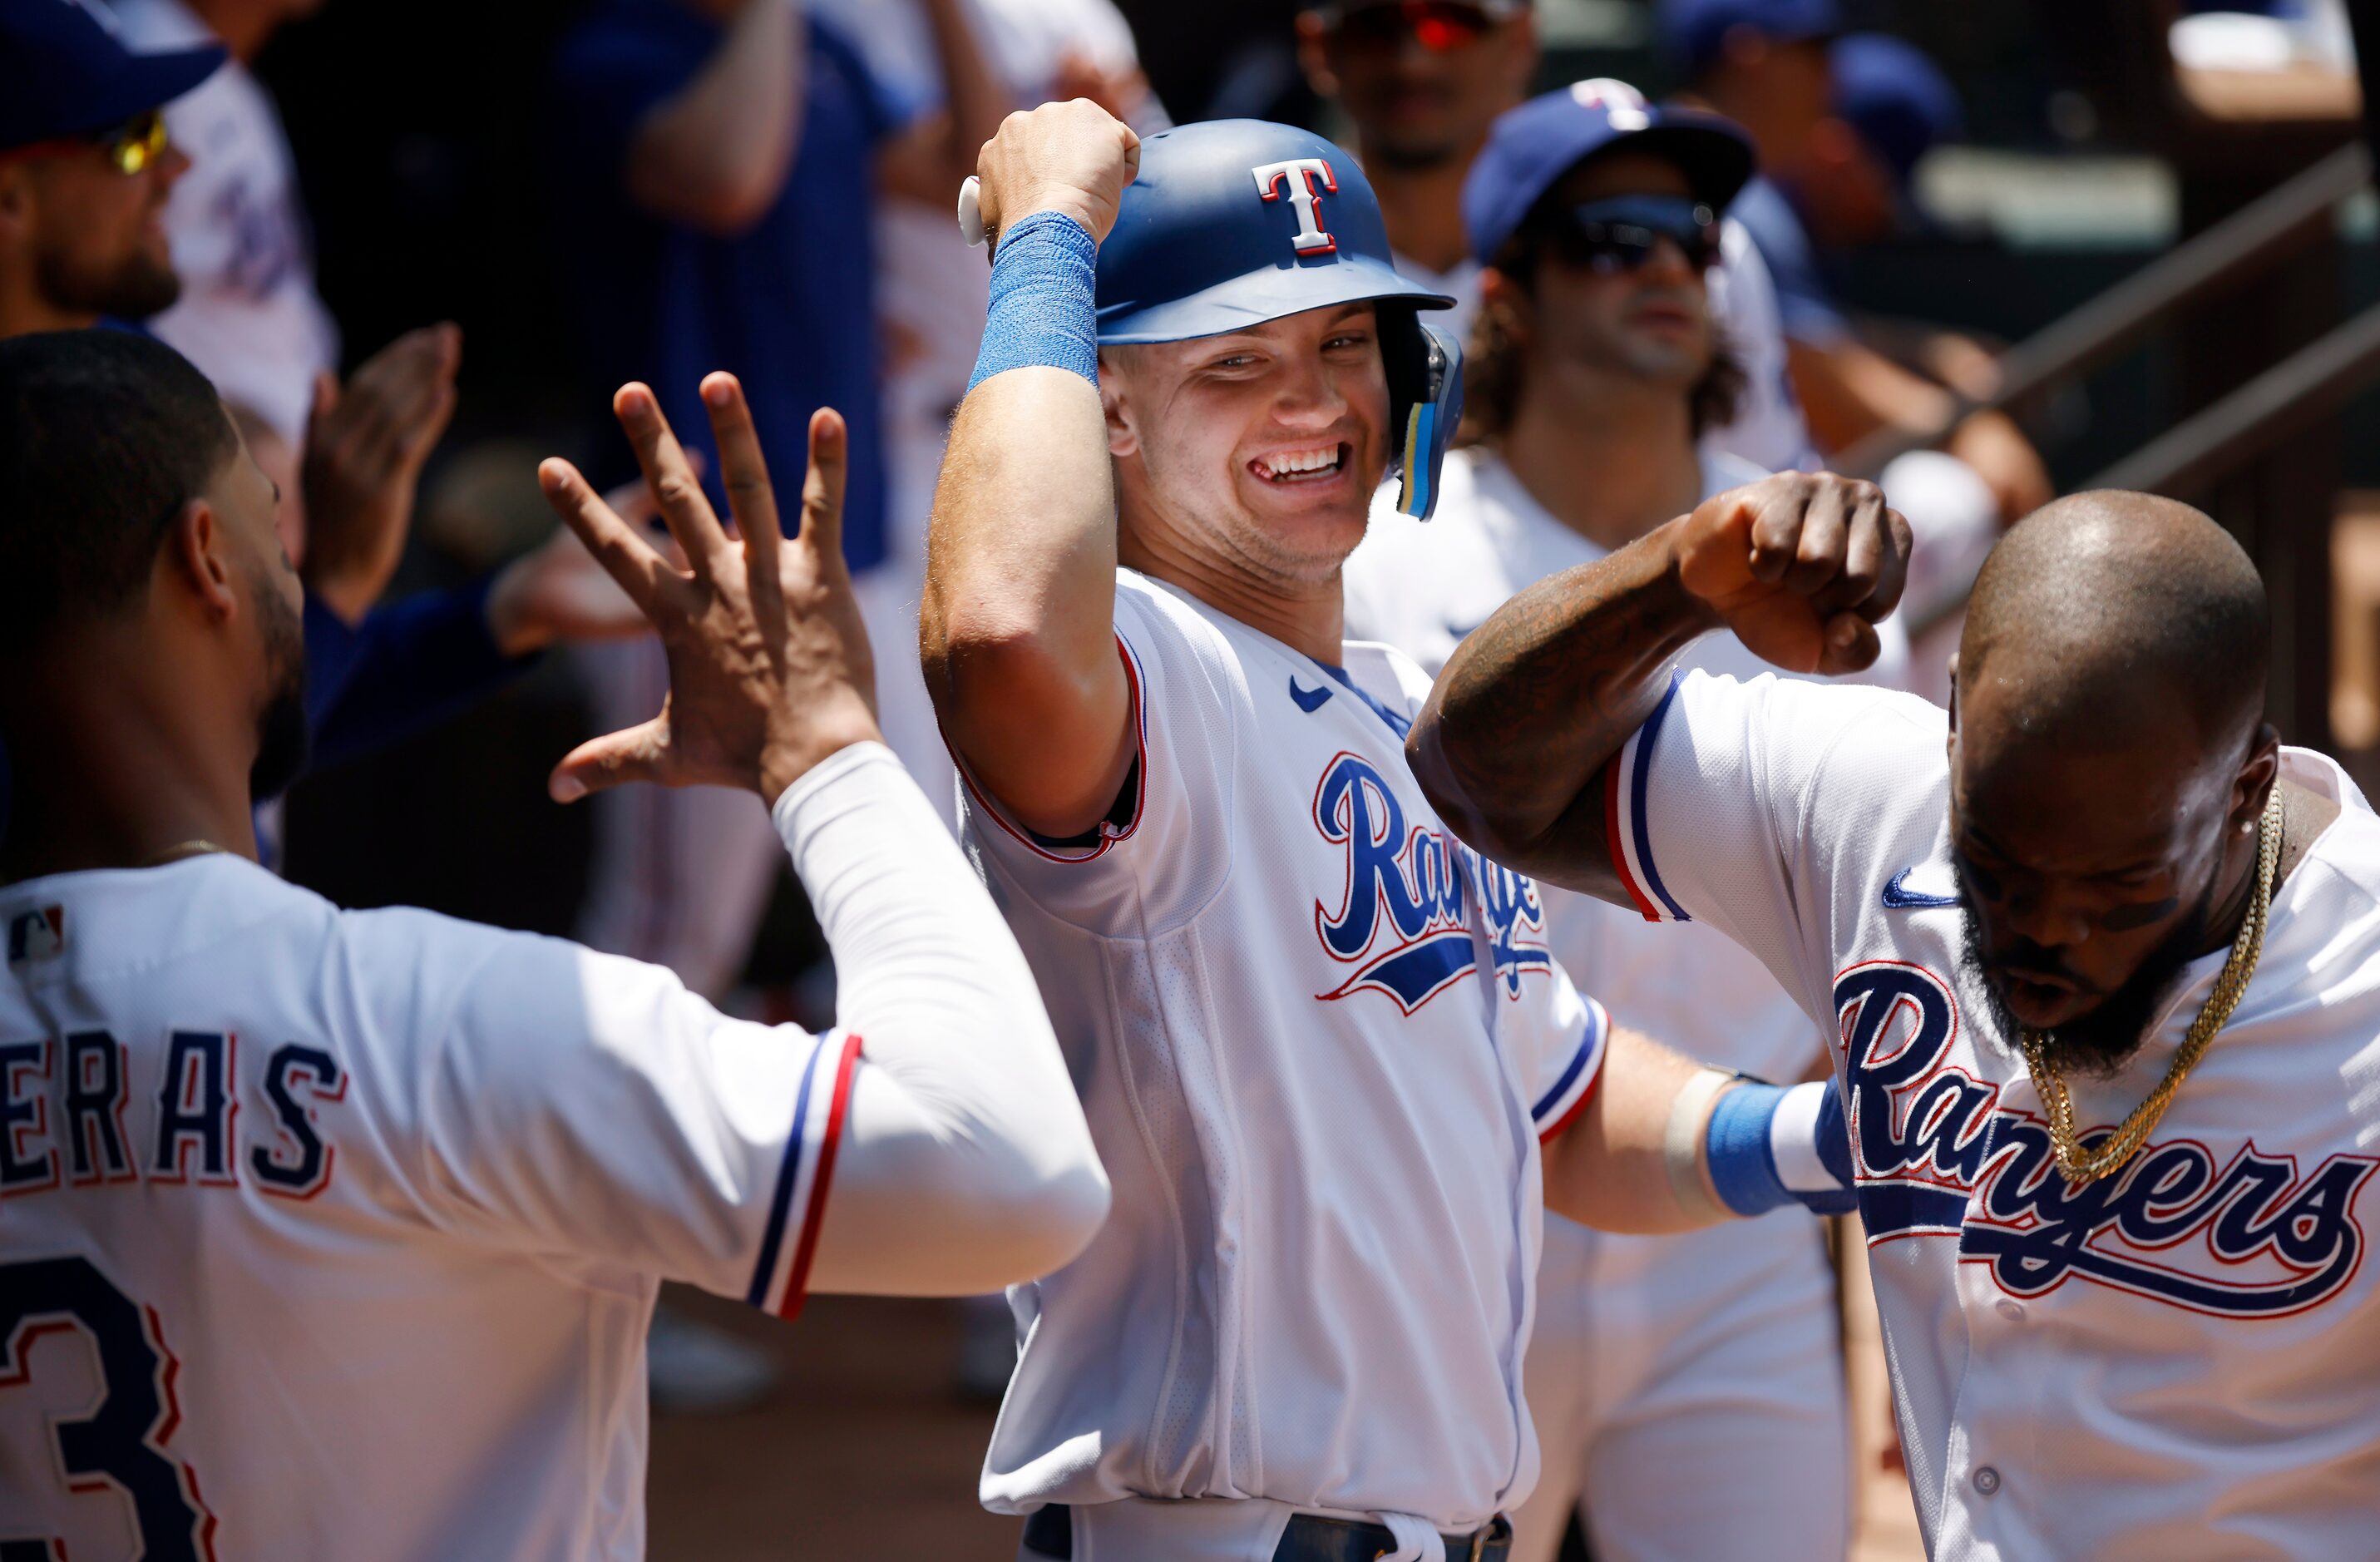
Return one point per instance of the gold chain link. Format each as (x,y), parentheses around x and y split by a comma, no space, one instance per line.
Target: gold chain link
(2081,1166)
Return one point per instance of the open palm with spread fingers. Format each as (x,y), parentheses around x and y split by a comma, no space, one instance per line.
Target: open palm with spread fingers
(770,669)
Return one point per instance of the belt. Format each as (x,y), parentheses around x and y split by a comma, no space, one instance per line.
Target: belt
(1309,1538)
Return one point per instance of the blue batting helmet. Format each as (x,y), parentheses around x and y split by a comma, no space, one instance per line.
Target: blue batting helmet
(1236,222)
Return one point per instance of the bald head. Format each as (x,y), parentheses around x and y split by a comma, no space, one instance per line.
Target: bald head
(2107,613)
(2109,762)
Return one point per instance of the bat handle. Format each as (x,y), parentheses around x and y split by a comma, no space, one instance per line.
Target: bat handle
(971,213)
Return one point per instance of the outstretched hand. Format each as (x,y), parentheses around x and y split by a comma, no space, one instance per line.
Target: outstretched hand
(770,668)
(1801,566)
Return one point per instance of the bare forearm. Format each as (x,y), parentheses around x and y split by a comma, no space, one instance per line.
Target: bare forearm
(1512,745)
(1850,391)
(1609,1170)
(717,154)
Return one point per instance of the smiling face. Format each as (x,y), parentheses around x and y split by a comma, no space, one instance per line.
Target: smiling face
(1256,451)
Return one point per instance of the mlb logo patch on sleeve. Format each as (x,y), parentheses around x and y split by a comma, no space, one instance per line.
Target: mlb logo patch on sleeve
(38,935)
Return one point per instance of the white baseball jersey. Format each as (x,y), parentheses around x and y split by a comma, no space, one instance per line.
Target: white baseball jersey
(1318,1040)
(1688,1384)
(2182,1359)
(248,315)
(1766,429)
(330,1233)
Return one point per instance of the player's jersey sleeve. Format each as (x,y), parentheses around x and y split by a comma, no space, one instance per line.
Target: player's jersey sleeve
(1167,842)
(1755,806)
(590,1110)
(1559,1036)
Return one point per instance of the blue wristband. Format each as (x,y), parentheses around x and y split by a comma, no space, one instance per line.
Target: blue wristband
(1044,306)
(1741,1151)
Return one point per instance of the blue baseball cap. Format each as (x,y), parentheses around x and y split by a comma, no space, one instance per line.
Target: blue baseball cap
(1234,221)
(63,73)
(1530,148)
(1894,96)
(1691,32)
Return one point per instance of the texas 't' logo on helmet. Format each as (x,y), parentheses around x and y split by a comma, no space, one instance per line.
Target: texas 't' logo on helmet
(1294,179)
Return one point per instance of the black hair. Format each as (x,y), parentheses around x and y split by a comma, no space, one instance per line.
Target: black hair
(1493,370)
(104,436)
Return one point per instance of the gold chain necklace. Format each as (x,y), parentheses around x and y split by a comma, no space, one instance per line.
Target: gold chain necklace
(2082,1167)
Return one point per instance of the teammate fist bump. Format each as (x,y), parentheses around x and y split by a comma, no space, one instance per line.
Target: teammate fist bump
(1801,566)
(1072,157)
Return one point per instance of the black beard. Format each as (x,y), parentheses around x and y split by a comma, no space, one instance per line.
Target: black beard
(2098,1043)
(134,290)
(284,735)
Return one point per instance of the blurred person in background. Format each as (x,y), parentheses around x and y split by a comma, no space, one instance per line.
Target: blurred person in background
(1688,1390)
(1854,187)
(1766,65)
(715,172)
(248,315)
(932,290)
(89,170)
(1420,82)
(716,163)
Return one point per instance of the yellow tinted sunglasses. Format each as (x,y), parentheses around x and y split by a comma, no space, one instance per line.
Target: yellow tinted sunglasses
(136,144)
(133,147)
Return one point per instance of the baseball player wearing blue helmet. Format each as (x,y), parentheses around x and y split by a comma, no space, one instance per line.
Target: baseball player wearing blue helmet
(1334,1069)
(1192,256)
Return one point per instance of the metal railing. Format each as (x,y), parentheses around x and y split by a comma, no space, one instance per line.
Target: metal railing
(2241,247)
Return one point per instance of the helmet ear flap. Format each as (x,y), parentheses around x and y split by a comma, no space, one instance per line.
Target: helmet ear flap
(1423,366)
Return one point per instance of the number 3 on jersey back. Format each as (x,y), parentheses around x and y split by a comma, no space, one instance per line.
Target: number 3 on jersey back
(121,1441)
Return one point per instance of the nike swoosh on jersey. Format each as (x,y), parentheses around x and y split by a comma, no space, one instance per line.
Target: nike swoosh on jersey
(1308,700)
(1461,632)
(1896,898)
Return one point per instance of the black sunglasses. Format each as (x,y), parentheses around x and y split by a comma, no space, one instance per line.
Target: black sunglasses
(1619,234)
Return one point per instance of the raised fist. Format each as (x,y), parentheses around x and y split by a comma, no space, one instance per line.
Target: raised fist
(1801,566)
(1072,157)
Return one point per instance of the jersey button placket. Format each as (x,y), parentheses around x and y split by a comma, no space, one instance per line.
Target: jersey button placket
(1987,1479)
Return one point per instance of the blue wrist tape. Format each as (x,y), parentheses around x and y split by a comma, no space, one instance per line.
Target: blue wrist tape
(1743,1146)
(1043,310)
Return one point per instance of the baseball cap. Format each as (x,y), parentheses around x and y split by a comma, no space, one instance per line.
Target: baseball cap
(1531,147)
(64,73)
(1894,96)
(1692,31)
